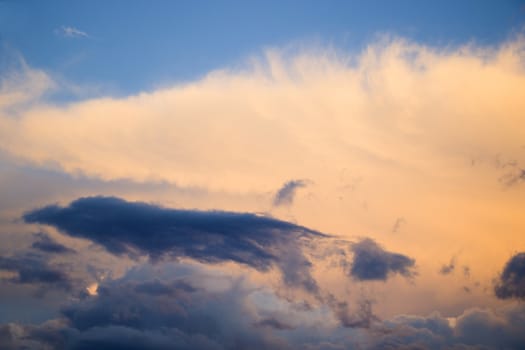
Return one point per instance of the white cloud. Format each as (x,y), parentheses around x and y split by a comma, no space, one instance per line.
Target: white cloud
(71,32)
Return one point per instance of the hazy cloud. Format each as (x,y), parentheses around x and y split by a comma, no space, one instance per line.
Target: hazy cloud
(448,268)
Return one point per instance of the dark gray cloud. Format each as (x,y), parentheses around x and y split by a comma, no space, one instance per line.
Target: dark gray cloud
(47,244)
(35,270)
(135,228)
(511,282)
(371,262)
(286,194)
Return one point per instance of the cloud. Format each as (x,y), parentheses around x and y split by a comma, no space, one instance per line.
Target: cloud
(514,177)
(362,317)
(397,224)
(21,86)
(473,329)
(448,268)
(135,228)
(34,270)
(47,244)
(126,314)
(122,316)
(286,194)
(494,329)
(511,282)
(71,32)
(371,262)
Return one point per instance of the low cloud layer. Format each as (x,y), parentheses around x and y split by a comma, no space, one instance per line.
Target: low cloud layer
(135,312)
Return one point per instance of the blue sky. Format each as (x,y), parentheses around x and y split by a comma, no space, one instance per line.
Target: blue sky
(133,46)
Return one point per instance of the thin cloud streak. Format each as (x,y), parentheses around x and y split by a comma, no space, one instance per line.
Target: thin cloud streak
(71,32)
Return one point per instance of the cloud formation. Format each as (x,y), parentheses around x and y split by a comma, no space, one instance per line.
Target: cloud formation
(135,228)
(286,194)
(371,262)
(511,282)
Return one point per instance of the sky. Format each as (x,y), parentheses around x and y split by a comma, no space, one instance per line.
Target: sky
(262,175)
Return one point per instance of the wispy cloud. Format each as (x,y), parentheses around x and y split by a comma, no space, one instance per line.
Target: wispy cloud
(286,193)
(71,32)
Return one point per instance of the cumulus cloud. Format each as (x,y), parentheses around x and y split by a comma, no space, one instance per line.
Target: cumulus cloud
(286,194)
(511,282)
(371,262)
